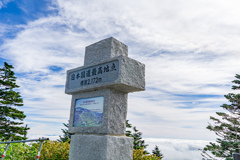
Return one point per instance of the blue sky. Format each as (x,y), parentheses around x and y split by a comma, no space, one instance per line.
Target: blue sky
(190,49)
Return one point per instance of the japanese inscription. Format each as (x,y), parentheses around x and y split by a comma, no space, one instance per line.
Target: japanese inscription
(101,73)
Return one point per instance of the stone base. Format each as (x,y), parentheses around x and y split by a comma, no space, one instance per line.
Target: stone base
(104,147)
(236,156)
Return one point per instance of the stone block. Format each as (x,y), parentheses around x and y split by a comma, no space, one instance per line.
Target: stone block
(114,112)
(100,147)
(124,74)
(104,50)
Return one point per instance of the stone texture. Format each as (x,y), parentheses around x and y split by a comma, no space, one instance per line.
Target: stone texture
(236,156)
(130,78)
(100,147)
(114,113)
(107,142)
(104,50)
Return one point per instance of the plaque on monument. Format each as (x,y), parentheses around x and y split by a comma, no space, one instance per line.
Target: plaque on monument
(88,112)
(102,73)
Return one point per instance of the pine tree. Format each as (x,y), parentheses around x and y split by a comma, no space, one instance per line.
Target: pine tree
(66,135)
(10,117)
(157,152)
(227,127)
(128,125)
(138,143)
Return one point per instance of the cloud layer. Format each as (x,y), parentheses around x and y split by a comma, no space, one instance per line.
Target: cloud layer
(177,149)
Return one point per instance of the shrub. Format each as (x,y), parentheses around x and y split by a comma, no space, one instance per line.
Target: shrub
(54,150)
(18,151)
(51,150)
(139,154)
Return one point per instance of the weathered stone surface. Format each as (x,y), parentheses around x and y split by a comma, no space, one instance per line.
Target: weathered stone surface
(129,76)
(100,147)
(104,50)
(114,112)
(107,76)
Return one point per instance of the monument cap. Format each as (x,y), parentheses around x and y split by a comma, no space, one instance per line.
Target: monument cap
(104,50)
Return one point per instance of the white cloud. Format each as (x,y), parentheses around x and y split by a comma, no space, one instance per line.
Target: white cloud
(190,48)
(3,3)
(182,25)
(177,149)
(164,119)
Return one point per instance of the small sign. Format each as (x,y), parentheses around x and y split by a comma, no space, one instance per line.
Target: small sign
(88,112)
(101,73)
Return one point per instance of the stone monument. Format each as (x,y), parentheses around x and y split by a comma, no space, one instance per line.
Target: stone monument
(99,92)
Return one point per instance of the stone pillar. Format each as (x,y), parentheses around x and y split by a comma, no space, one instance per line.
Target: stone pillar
(99,92)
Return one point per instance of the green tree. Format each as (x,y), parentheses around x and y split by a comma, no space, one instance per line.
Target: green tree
(138,143)
(157,152)
(128,125)
(11,118)
(66,135)
(226,127)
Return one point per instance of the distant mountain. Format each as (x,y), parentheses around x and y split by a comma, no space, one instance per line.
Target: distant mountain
(86,118)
